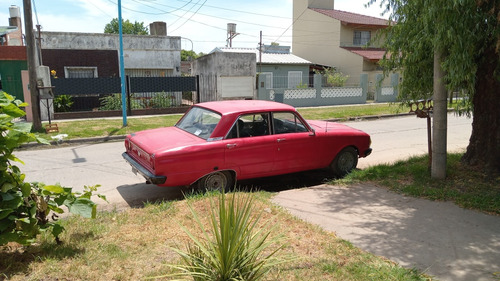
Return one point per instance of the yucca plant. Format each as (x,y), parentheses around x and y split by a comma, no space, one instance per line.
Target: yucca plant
(234,247)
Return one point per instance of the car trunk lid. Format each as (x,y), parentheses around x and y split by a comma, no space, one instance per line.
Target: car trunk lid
(143,145)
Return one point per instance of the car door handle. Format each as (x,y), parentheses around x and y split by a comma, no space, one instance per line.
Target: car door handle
(231,145)
(281,140)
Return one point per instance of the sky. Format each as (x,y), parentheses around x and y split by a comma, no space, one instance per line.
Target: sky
(202,24)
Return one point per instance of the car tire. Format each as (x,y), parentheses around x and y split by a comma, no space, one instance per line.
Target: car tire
(345,161)
(217,181)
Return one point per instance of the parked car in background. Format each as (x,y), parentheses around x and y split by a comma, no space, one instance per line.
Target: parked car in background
(216,143)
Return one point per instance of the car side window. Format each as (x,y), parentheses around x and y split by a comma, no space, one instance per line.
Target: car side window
(250,125)
(287,122)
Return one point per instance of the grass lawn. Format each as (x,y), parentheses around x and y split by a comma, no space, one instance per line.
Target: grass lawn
(136,244)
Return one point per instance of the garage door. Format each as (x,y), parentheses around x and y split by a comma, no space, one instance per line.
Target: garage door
(237,87)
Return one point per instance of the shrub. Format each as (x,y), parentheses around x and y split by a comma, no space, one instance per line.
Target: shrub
(114,102)
(233,248)
(25,207)
(161,100)
(63,103)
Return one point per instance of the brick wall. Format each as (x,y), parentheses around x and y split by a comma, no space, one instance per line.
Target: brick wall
(13,53)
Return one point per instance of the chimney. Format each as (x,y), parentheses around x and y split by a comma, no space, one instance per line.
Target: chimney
(321,4)
(158,28)
(15,17)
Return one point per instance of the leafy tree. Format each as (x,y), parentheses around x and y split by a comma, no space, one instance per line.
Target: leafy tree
(25,207)
(189,55)
(463,38)
(137,28)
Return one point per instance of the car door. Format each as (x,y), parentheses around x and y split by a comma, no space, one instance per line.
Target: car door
(297,145)
(249,146)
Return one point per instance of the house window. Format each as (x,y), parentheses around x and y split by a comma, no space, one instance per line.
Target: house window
(361,38)
(269,79)
(80,72)
(294,79)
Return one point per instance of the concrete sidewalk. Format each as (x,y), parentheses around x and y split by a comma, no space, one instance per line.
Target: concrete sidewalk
(438,238)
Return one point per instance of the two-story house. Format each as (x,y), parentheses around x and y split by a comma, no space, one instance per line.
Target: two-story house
(339,39)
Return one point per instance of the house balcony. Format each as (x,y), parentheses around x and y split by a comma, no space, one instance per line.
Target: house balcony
(352,45)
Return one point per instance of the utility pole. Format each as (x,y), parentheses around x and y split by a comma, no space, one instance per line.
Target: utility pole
(30,52)
(122,66)
(260,53)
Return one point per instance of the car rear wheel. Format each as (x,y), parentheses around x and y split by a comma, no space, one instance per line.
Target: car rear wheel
(218,181)
(344,162)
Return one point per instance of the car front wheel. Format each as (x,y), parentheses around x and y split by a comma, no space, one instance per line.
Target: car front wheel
(218,181)
(344,162)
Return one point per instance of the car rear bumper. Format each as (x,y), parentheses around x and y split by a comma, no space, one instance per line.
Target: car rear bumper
(138,168)
(368,152)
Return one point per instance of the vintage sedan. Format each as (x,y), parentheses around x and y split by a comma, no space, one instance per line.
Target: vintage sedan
(216,143)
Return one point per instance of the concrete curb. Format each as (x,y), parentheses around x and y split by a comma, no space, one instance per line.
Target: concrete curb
(74,141)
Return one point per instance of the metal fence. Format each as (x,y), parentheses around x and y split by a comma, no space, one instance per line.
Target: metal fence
(317,90)
(96,94)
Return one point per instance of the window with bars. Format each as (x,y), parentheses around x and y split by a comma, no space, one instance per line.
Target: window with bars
(80,72)
(361,38)
(294,79)
(269,79)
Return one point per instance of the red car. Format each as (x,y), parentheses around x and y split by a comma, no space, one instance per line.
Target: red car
(216,143)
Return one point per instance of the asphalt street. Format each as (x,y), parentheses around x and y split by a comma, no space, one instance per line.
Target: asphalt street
(443,240)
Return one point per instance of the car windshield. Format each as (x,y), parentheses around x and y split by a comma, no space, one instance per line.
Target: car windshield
(199,121)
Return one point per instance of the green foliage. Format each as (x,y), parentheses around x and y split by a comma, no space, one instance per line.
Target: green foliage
(462,28)
(302,85)
(234,248)
(25,207)
(63,103)
(160,100)
(128,27)
(114,102)
(111,102)
(332,78)
(189,55)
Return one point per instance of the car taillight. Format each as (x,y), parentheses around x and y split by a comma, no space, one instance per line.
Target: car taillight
(152,161)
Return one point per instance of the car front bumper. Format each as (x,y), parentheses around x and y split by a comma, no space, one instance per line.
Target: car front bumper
(138,168)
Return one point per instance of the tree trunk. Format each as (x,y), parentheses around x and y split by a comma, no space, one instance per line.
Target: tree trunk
(440,121)
(483,151)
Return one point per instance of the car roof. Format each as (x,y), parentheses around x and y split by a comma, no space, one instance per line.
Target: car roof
(243,106)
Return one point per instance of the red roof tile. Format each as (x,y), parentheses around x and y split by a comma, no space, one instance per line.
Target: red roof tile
(370,54)
(351,18)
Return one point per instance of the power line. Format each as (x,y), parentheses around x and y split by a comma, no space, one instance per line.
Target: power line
(184,14)
(232,10)
(191,16)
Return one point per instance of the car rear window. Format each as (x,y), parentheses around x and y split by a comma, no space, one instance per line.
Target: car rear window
(199,121)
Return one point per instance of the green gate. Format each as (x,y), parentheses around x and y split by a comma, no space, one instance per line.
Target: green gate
(10,73)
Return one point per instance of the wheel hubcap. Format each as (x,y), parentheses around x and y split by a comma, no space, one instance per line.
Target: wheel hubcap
(346,162)
(216,181)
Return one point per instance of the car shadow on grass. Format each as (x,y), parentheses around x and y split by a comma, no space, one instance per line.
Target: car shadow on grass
(286,182)
(136,195)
